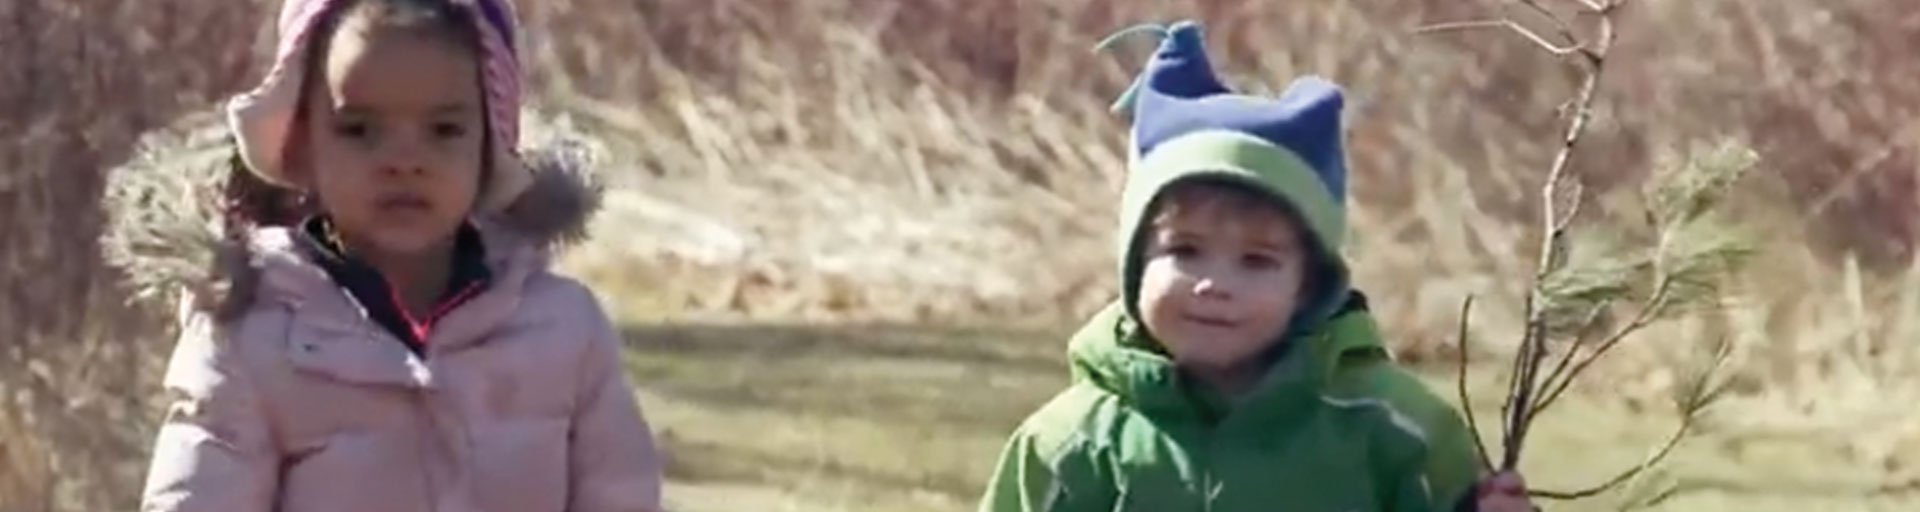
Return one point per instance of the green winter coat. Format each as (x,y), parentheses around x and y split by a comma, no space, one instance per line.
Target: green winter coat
(1334,427)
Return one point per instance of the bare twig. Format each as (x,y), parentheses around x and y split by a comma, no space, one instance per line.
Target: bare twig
(1560,204)
(1532,386)
(1573,192)
(1849,180)
(1520,414)
(1647,312)
(1553,243)
(1701,392)
(1460,385)
(1573,348)
(1509,24)
(1516,383)
(1559,25)
(1661,497)
(1450,26)
(1686,425)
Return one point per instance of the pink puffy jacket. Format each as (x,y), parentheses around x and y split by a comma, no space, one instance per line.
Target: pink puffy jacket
(300,403)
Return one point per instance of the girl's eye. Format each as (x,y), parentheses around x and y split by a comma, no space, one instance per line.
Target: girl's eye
(352,129)
(1182,250)
(1259,262)
(449,130)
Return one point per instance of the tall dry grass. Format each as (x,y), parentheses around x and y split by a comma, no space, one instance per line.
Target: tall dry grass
(953,162)
(82,80)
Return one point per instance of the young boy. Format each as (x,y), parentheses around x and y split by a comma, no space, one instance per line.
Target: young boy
(1239,371)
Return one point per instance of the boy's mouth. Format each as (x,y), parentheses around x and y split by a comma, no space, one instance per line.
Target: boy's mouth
(1208,321)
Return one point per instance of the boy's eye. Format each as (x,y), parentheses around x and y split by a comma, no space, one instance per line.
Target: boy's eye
(1182,250)
(449,130)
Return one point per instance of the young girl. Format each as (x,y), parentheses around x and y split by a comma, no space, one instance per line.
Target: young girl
(393,340)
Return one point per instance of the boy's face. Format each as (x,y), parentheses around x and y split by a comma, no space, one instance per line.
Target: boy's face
(393,137)
(1223,272)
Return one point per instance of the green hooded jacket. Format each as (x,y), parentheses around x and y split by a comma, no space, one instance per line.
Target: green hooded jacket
(1334,425)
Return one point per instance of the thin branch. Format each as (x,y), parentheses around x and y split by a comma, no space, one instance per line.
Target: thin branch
(1514,408)
(1522,410)
(1579,340)
(1575,192)
(1551,245)
(1542,42)
(1686,425)
(1560,196)
(1460,386)
(1849,180)
(1559,25)
(1662,497)
(1532,353)
(1508,24)
(1648,311)
(1450,26)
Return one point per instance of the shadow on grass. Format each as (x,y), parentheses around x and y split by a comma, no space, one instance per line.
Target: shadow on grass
(925,376)
(747,398)
(1908,489)
(704,461)
(1034,350)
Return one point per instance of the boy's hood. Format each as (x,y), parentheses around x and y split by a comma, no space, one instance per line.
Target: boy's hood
(1111,353)
(165,230)
(1188,126)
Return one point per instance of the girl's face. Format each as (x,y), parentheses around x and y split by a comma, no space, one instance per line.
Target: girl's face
(394,131)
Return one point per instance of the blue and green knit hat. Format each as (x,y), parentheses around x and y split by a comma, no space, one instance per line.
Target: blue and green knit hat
(1188,126)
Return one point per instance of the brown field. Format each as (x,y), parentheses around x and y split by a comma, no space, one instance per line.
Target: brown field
(847,237)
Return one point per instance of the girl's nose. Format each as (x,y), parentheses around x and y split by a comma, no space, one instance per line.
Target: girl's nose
(403,157)
(402,168)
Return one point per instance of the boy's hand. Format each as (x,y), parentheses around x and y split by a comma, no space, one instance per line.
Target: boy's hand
(1502,492)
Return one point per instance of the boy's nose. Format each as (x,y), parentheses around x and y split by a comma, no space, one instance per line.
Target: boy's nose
(1212,287)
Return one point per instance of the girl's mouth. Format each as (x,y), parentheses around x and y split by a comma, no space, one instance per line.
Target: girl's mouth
(402,203)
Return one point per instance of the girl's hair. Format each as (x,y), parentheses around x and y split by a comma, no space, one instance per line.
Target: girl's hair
(451,20)
(251,202)
(247,201)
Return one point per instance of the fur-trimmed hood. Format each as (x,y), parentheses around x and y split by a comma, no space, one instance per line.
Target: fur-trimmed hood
(165,228)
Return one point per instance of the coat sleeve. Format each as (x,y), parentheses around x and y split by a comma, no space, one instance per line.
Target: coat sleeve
(1409,483)
(1040,471)
(1413,494)
(613,461)
(1452,466)
(214,450)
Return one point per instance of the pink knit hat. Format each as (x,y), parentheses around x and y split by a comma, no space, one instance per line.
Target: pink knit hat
(262,119)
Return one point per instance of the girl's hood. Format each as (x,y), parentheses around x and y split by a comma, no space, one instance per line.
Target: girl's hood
(166,233)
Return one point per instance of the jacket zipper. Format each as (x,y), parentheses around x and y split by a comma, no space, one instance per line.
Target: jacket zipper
(1209,489)
(420,401)
(436,438)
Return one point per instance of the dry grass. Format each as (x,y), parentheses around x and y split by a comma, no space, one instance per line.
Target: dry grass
(951,162)
(882,418)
